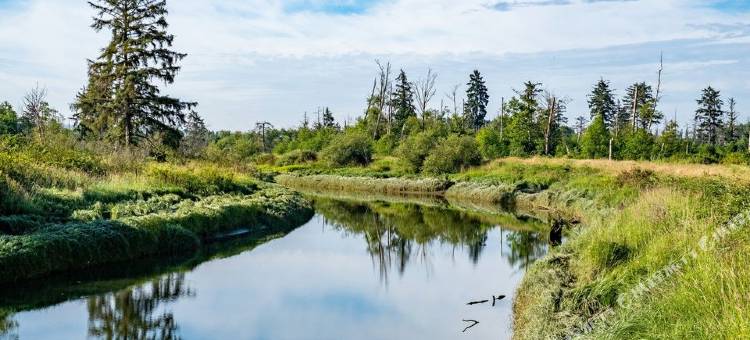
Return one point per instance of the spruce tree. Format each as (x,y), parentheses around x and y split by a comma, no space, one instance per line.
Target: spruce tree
(708,116)
(602,103)
(403,102)
(523,131)
(477,100)
(328,120)
(122,99)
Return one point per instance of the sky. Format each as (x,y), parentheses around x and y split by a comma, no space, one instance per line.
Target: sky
(274,60)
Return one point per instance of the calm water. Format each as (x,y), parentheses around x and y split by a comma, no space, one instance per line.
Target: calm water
(356,271)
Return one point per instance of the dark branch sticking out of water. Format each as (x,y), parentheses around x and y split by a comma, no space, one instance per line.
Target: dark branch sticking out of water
(498,298)
(473,323)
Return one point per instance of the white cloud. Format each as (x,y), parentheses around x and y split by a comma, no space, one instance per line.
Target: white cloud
(251,59)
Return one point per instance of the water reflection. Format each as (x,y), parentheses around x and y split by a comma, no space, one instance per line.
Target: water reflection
(318,278)
(400,233)
(135,313)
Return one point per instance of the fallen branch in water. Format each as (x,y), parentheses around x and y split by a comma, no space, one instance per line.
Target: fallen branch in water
(473,323)
(477,302)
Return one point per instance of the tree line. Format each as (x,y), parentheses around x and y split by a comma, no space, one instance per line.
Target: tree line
(122,104)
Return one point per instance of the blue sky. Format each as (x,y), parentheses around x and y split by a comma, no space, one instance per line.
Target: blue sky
(276,59)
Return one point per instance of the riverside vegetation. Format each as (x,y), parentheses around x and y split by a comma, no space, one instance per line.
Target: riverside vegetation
(140,175)
(632,219)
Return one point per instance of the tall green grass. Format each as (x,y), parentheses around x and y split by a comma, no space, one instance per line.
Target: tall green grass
(59,214)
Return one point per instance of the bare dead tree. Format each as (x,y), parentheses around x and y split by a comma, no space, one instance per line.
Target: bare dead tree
(261,127)
(36,110)
(425,91)
(453,97)
(553,110)
(384,90)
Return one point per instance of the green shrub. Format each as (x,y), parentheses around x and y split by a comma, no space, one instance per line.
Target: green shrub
(297,157)
(455,154)
(490,144)
(737,158)
(415,148)
(349,149)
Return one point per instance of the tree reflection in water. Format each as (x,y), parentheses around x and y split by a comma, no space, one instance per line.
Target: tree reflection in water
(135,313)
(398,232)
(8,326)
(525,248)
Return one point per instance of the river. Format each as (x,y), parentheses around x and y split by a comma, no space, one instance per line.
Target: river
(360,269)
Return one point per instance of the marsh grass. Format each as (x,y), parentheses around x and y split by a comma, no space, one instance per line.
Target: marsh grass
(637,218)
(55,218)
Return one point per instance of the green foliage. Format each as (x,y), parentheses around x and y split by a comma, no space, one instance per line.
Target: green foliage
(490,144)
(9,123)
(123,100)
(415,148)
(297,157)
(454,154)
(477,99)
(349,149)
(595,140)
(638,145)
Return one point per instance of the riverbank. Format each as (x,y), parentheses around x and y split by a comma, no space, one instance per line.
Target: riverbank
(54,219)
(638,218)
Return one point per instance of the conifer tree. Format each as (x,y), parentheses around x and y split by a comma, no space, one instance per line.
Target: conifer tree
(523,130)
(328,120)
(602,103)
(477,100)
(403,102)
(708,116)
(122,98)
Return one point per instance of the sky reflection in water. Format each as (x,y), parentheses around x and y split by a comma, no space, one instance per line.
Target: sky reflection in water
(355,271)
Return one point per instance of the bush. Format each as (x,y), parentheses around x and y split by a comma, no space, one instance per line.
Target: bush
(297,157)
(491,146)
(738,158)
(349,149)
(453,155)
(415,149)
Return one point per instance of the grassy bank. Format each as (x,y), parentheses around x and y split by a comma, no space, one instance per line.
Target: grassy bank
(61,212)
(638,218)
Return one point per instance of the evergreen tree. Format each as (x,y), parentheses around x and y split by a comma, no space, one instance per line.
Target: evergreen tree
(403,102)
(523,131)
(477,99)
(122,98)
(328,120)
(602,103)
(595,140)
(8,119)
(636,97)
(195,136)
(708,116)
(670,141)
